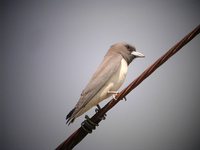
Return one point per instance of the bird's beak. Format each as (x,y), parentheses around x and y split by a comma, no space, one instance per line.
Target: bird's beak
(137,54)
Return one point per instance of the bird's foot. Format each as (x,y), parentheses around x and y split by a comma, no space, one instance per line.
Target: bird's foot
(98,109)
(114,94)
(125,98)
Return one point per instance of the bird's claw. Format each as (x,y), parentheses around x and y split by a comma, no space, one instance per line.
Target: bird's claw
(114,94)
(104,117)
(114,97)
(98,109)
(125,98)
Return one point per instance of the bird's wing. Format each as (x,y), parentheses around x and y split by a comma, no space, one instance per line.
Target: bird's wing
(107,68)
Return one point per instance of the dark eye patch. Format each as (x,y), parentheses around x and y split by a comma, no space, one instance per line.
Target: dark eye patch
(130,48)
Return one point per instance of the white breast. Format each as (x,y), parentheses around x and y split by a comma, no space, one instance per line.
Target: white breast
(118,79)
(113,84)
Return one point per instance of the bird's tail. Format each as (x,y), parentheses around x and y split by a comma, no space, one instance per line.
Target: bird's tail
(69,117)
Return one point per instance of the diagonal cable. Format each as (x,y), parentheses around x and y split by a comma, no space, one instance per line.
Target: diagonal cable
(80,133)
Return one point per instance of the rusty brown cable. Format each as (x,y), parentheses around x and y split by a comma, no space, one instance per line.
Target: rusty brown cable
(79,134)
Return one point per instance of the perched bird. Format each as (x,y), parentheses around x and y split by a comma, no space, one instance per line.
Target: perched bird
(107,79)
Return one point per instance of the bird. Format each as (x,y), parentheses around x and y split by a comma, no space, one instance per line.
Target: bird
(107,79)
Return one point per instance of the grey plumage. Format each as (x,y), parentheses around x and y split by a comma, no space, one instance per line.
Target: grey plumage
(109,76)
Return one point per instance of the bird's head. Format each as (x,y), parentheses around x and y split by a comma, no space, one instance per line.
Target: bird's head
(127,51)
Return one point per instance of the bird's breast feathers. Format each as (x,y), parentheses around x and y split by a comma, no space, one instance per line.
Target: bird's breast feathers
(123,70)
(114,83)
(118,78)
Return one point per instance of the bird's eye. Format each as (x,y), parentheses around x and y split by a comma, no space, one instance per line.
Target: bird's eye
(128,47)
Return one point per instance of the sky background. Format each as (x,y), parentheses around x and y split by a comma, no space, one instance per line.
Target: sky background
(50,49)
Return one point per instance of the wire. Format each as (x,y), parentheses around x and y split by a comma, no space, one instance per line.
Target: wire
(79,134)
